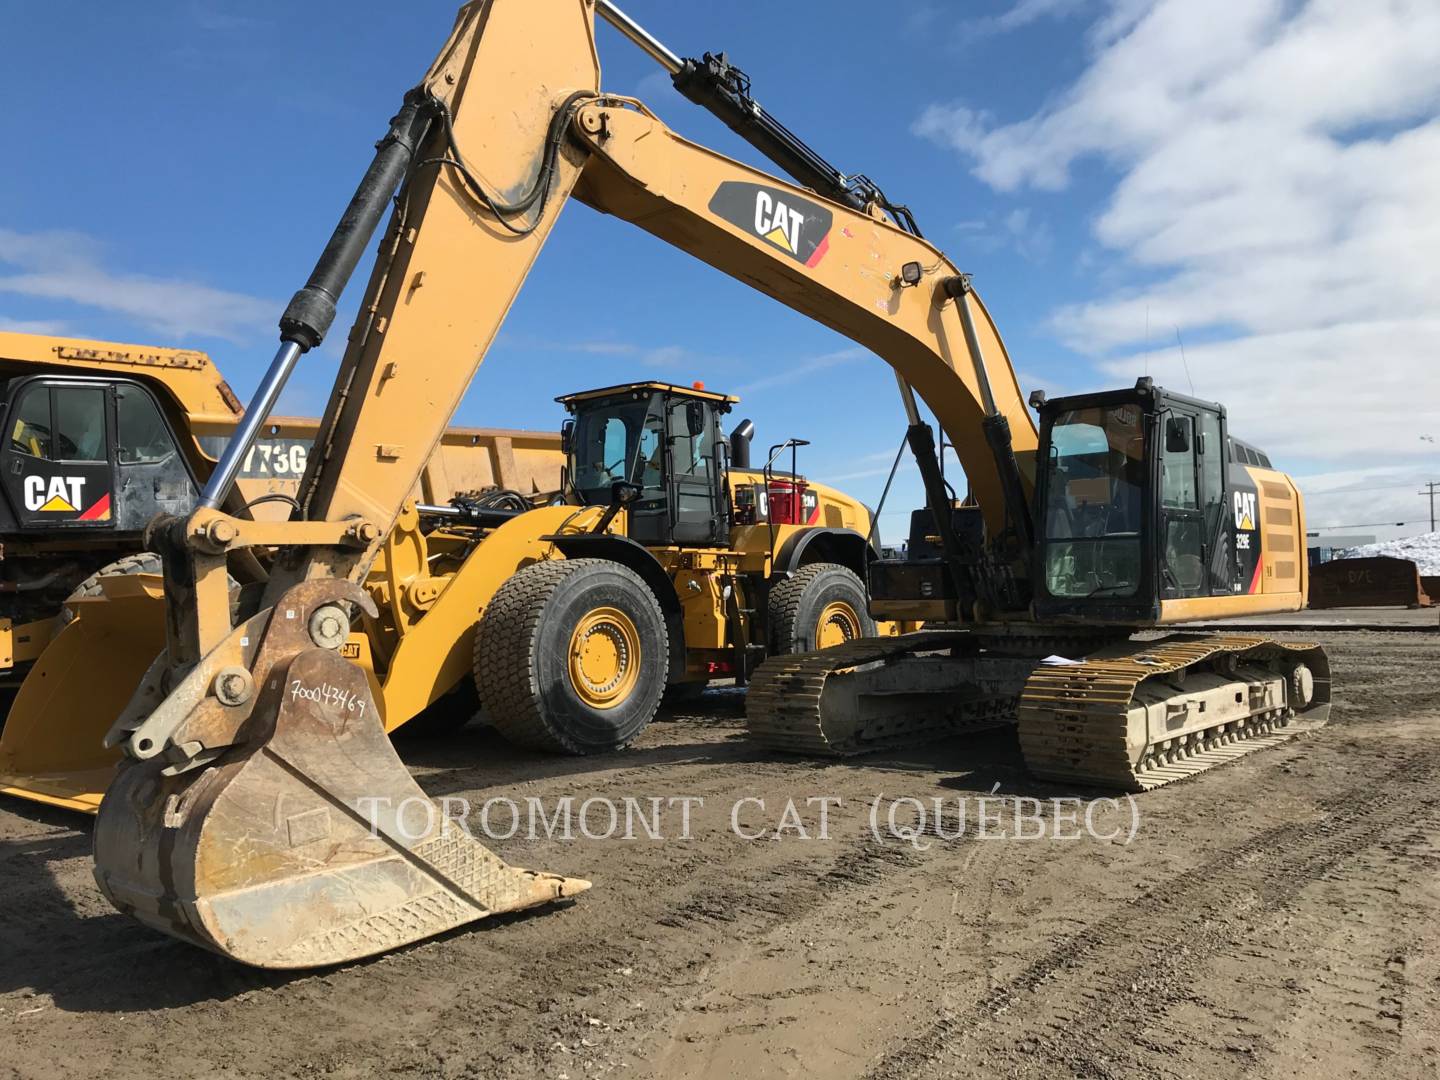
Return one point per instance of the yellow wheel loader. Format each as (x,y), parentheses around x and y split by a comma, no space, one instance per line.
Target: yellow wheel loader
(666,564)
(260,810)
(101,436)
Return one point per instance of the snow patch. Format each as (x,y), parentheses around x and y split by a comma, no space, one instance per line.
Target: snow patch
(1423,551)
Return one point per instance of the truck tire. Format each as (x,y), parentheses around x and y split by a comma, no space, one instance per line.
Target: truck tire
(143,562)
(820,605)
(571,656)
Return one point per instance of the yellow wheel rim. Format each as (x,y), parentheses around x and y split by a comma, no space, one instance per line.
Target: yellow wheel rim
(604,658)
(838,624)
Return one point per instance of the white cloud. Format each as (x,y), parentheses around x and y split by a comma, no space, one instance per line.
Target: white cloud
(33,326)
(68,266)
(1358,389)
(1018,230)
(926,19)
(801,369)
(1026,12)
(1278,189)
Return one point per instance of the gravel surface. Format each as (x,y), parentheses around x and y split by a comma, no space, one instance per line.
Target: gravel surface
(1278,917)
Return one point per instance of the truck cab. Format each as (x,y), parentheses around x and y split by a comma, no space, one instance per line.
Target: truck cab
(85,454)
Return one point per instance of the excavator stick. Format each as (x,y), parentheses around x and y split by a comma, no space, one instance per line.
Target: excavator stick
(52,748)
(307,842)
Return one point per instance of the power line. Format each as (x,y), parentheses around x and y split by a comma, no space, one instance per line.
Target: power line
(1430,490)
(1312,530)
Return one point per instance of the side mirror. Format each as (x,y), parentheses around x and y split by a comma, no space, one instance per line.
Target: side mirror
(695,418)
(1177,435)
(567,437)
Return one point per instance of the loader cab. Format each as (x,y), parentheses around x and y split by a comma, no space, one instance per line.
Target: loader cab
(666,440)
(87,455)
(1132,496)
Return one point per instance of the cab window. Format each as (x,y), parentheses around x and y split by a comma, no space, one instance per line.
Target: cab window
(30,423)
(60,423)
(691,454)
(143,436)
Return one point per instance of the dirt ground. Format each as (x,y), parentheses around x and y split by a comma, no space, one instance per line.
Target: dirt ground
(1278,917)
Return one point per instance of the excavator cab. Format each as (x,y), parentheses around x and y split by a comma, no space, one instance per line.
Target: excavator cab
(665,440)
(1133,493)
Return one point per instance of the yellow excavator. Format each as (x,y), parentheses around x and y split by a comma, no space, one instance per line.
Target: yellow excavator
(260,810)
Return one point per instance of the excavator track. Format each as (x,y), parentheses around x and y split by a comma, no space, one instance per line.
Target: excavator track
(1137,715)
(784,708)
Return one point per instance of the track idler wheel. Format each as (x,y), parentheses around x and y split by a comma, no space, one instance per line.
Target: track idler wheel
(305,842)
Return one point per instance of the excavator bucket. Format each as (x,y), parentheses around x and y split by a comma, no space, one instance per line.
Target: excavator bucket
(304,842)
(52,747)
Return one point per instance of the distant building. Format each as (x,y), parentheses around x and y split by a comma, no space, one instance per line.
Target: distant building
(1323,548)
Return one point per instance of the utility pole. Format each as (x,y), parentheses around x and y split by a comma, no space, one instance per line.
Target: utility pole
(1430,490)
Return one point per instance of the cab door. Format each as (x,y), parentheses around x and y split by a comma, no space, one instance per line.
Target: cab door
(1182,528)
(153,477)
(695,474)
(57,467)
(1195,555)
(649,514)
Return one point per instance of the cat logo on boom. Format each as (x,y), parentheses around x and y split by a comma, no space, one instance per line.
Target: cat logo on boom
(784,220)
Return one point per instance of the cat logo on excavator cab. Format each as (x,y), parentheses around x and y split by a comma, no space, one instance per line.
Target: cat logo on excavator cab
(1245,510)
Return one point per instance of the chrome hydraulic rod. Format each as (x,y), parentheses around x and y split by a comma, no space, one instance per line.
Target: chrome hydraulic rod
(639,35)
(311,310)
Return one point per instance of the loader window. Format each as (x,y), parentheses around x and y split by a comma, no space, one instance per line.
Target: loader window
(1095,479)
(691,454)
(623,441)
(79,423)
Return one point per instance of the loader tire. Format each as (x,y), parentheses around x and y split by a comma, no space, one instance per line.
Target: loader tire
(143,562)
(571,656)
(820,605)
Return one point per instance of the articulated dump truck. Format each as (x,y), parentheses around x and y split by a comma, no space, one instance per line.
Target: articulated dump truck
(102,436)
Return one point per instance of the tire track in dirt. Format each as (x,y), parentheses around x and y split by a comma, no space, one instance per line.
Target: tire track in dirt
(1082,1005)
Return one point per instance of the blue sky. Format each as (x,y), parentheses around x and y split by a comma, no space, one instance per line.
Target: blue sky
(1110,170)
